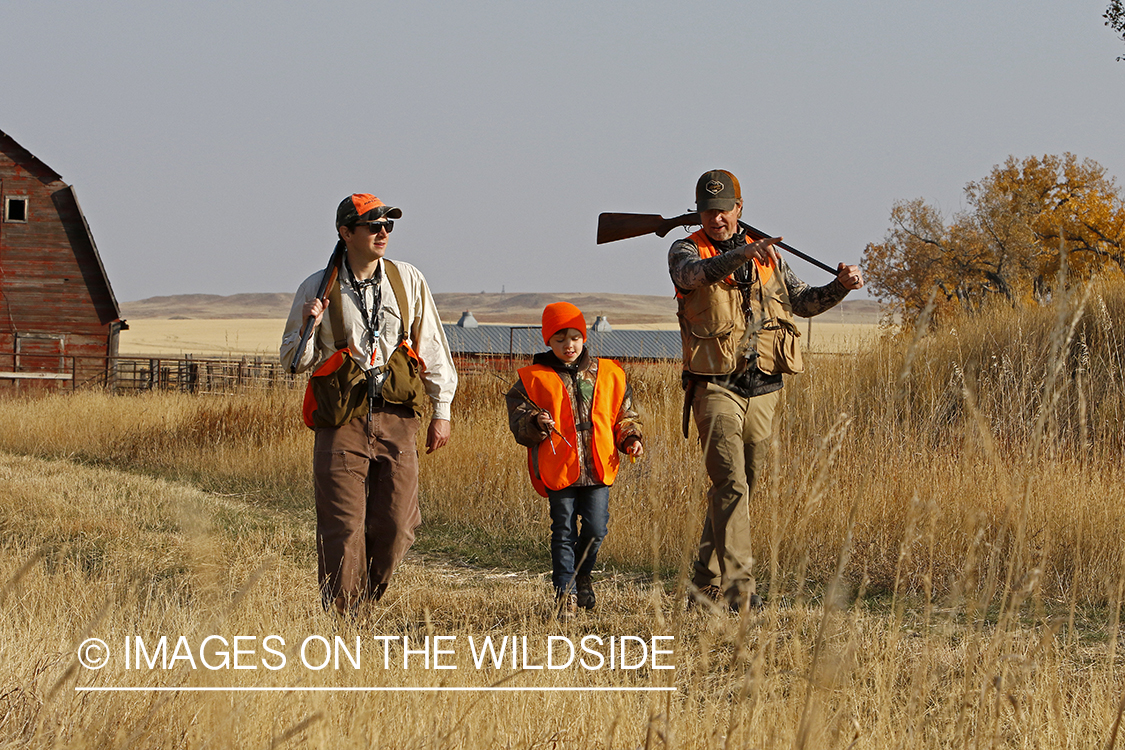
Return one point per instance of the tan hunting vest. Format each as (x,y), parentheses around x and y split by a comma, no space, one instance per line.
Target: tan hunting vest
(714,329)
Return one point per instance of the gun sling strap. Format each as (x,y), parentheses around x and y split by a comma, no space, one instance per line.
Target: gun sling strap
(336,315)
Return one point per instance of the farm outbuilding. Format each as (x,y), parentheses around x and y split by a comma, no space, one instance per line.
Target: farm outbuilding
(59,320)
(468,338)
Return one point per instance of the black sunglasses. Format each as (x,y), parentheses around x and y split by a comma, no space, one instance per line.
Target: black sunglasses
(375,226)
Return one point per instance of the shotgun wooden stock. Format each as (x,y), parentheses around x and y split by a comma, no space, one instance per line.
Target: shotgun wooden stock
(326,281)
(614,227)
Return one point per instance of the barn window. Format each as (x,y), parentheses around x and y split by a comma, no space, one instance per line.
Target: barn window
(15,209)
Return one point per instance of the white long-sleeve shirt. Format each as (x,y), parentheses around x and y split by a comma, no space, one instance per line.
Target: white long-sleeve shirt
(426,334)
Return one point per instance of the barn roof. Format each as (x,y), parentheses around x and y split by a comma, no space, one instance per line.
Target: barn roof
(526,341)
(66,202)
(27,160)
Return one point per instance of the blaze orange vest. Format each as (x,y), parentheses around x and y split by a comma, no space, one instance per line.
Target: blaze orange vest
(707,250)
(554,463)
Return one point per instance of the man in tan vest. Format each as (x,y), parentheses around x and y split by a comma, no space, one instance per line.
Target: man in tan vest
(737,302)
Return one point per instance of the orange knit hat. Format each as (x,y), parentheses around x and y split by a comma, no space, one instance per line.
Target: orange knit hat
(560,315)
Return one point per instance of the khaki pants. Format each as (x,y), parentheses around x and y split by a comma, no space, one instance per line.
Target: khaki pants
(735,434)
(366,480)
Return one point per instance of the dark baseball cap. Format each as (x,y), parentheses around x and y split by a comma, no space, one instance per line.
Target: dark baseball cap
(717,189)
(363,206)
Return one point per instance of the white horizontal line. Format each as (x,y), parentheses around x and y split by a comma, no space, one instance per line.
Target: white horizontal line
(375,689)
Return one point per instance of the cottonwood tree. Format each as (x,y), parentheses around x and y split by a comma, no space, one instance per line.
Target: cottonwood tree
(1115,19)
(1008,242)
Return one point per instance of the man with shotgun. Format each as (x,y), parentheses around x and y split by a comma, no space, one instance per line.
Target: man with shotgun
(379,354)
(737,299)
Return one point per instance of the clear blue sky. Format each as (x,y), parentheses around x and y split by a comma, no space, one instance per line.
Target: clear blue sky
(210,142)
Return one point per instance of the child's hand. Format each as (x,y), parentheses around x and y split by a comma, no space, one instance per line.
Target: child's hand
(545,421)
(635,449)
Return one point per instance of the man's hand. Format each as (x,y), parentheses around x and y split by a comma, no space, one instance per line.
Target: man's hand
(315,308)
(438,434)
(763,251)
(849,276)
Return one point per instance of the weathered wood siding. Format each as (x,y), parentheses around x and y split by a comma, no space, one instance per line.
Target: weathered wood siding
(55,300)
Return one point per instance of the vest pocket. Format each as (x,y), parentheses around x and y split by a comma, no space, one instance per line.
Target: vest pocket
(710,350)
(779,348)
(404,379)
(336,393)
(712,326)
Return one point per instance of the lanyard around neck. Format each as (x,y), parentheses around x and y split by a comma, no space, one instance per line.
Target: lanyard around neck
(373,319)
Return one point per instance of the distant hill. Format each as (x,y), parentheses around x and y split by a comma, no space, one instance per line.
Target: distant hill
(209,306)
(513,309)
(527,309)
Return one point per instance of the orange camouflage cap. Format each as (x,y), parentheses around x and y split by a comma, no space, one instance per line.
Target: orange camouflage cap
(358,205)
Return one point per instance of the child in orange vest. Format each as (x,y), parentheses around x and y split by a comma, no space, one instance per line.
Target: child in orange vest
(574,413)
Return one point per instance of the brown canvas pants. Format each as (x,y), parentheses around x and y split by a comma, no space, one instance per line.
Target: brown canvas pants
(366,486)
(735,435)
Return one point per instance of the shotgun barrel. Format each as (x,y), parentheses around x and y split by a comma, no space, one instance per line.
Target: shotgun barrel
(758,234)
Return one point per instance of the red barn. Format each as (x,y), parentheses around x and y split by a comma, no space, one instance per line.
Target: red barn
(59,321)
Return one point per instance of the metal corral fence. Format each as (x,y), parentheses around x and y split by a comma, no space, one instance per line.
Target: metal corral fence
(135,374)
(198,375)
(474,347)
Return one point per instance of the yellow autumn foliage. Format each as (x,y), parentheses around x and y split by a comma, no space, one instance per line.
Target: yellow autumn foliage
(1026,223)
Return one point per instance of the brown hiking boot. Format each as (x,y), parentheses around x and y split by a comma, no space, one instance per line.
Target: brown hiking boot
(715,595)
(755,603)
(586,598)
(700,597)
(566,607)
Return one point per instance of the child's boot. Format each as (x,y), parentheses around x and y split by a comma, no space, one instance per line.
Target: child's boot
(566,606)
(586,598)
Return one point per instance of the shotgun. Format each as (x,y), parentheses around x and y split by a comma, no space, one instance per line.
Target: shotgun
(326,281)
(614,227)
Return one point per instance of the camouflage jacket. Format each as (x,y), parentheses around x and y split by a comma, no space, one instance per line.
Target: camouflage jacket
(689,272)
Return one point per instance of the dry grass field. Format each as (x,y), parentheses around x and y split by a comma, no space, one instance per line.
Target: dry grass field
(212,337)
(940,543)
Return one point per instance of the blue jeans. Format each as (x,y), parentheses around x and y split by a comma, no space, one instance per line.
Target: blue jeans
(569,546)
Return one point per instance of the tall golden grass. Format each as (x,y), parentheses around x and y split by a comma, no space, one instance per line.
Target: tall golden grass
(939,537)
